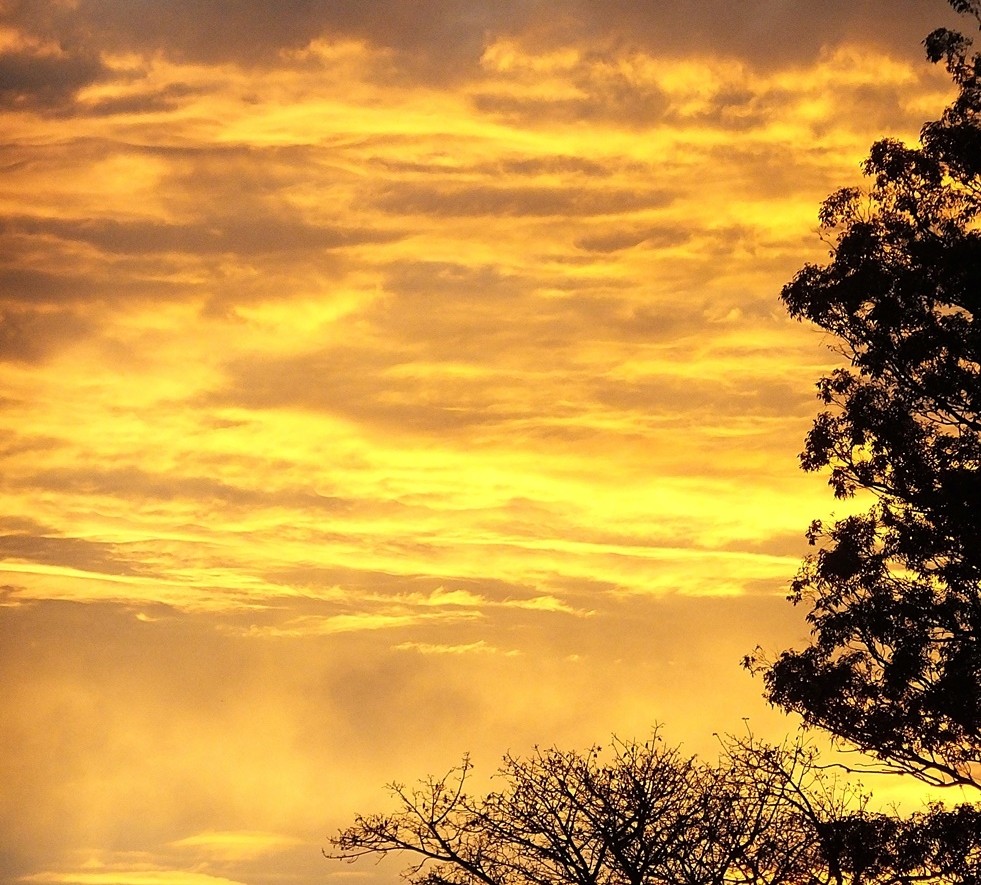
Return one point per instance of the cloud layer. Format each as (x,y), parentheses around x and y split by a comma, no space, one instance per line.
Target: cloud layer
(381,382)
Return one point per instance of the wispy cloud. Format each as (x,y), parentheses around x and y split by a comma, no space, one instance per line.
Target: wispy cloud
(235,844)
(129,877)
(428,648)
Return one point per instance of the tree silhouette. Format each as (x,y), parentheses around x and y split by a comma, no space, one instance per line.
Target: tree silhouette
(894,664)
(645,814)
(640,814)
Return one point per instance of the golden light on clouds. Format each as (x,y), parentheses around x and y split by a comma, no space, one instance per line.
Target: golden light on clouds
(382,382)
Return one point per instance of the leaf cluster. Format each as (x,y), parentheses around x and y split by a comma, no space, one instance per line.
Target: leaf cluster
(894,666)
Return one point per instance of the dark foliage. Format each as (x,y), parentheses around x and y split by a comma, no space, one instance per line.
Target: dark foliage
(644,814)
(894,665)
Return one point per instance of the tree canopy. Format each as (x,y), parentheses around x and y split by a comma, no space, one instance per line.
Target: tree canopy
(646,814)
(894,665)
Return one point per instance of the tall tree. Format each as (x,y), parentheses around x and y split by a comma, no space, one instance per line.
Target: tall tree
(894,663)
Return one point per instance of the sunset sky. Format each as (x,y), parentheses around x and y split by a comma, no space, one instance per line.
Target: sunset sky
(392,379)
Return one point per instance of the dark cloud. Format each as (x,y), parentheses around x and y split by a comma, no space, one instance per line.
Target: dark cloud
(792,544)
(656,324)
(31,336)
(447,280)
(617,239)
(355,383)
(808,172)
(557,164)
(195,30)
(153,102)
(705,400)
(622,104)
(446,314)
(32,542)
(438,314)
(765,33)
(529,166)
(880,109)
(49,84)
(441,314)
(135,484)
(430,40)
(247,178)
(448,201)
(45,82)
(28,287)
(204,236)
(441,41)
(876,108)
(735,110)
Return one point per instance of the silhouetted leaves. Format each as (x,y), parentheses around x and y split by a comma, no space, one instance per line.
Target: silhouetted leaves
(894,666)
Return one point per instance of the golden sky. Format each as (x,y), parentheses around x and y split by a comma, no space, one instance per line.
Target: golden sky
(384,380)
